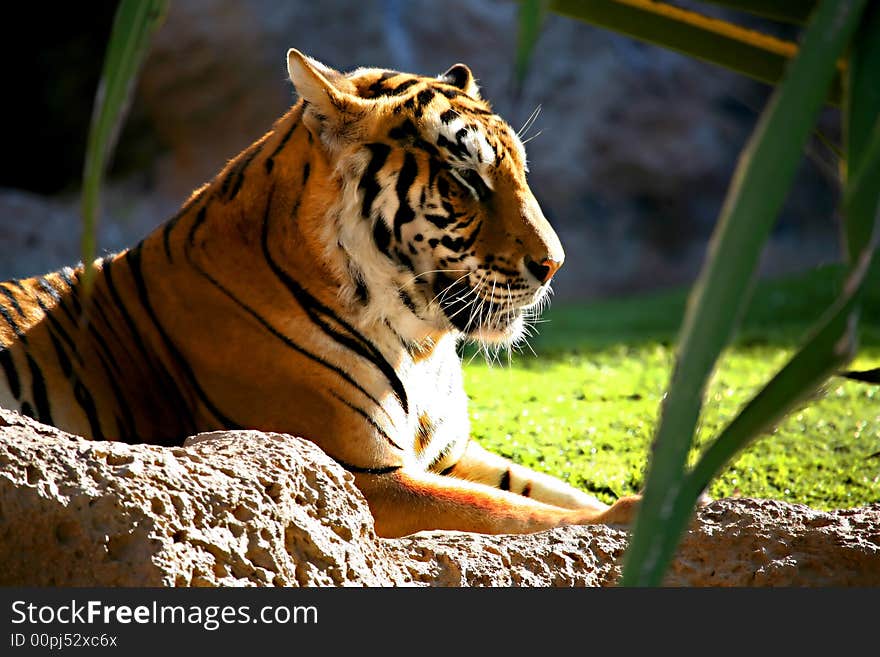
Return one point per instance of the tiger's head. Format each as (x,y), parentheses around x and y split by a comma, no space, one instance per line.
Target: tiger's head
(438,228)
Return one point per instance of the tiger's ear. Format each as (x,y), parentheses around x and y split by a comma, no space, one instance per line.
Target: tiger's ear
(460,76)
(325,89)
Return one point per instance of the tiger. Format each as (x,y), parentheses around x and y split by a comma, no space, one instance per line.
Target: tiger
(320,286)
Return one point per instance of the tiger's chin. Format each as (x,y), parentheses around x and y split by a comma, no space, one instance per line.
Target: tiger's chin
(503,331)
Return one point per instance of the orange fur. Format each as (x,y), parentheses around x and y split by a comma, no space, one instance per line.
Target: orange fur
(318,286)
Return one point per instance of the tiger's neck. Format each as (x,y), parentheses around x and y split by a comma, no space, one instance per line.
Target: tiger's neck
(284,203)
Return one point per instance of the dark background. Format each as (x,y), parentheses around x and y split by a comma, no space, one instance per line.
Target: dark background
(635,151)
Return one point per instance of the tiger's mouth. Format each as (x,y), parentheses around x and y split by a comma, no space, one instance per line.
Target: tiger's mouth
(474,310)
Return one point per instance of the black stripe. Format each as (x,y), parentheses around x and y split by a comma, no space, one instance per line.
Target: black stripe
(361,290)
(10,296)
(369,419)
(84,398)
(527,490)
(399,89)
(247,162)
(97,307)
(12,324)
(369,184)
(319,314)
(443,187)
(102,343)
(378,87)
(404,131)
(460,244)
(464,224)
(382,236)
(449,115)
(38,391)
(451,92)
(407,301)
(11,372)
(404,260)
(171,223)
(405,179)
(307,169)
(133,258)
(112,373)
(424,97)
(446,471)
(439,220)
(166,383)
(56,326)
(375,471)
(59,303)
(65,275)
(504,484)
(286,340)
(197,222)
(48,288)
(270,161)
(27,409)
(409,104)
(63,358)
(455,148)
(237,171)
(126,424)
(234,168)
(434,169)
(166,233)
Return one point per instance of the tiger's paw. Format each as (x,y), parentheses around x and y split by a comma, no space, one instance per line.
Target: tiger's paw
(622,512)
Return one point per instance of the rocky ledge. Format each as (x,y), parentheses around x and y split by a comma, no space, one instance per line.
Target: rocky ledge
(244,508)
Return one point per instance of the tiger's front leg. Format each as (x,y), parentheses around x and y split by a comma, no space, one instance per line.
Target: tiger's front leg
(477,495)
(479,464)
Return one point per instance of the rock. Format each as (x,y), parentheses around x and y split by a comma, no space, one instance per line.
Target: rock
(244,508)
(748,542)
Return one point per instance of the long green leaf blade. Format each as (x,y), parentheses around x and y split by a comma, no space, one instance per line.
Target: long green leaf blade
(133,24)
(832,344)
(864,376)
(862,133)
(757,55)
(531,13)
(786,11)
(756,194)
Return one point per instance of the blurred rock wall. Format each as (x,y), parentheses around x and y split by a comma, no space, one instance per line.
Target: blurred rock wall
(630,156)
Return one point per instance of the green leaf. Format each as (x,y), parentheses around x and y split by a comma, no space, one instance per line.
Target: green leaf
(866,376)
(861,113)
(530,18)
(757,55)
(133,24)
(757,191)
(786,11)
(832,344)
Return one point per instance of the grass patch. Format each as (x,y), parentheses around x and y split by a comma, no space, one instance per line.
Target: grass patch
(585,408)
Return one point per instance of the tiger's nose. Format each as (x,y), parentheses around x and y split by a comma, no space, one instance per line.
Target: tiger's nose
(544,269)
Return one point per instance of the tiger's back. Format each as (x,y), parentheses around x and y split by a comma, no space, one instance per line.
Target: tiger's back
(318,286)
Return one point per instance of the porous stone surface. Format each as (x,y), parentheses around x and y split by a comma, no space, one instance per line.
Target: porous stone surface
(244,508)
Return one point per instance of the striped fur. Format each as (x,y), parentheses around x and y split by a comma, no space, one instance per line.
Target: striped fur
(319,286)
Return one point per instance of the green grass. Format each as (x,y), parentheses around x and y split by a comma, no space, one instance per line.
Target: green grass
(585,408)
